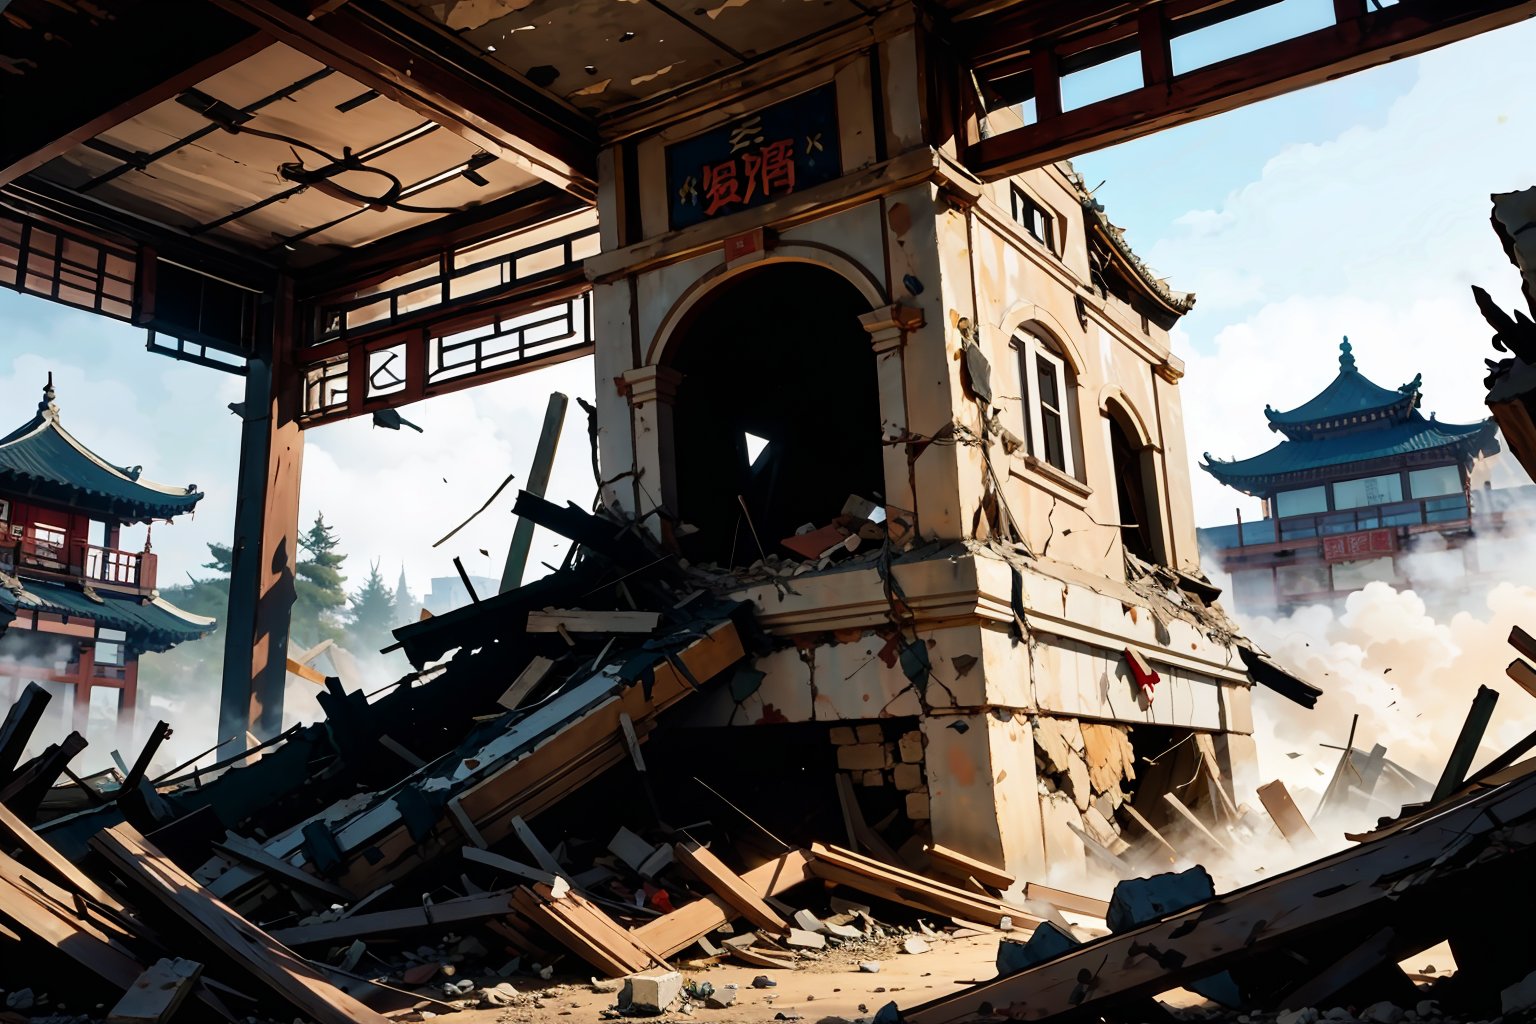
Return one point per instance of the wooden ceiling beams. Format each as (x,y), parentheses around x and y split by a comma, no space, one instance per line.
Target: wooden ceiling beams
(388,51)
(1358,39)
(146,59)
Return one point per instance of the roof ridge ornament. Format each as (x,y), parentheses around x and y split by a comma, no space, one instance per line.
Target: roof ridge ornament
(47,407)
(1346,360)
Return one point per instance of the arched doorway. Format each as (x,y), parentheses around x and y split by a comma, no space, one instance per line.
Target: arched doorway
(778,408)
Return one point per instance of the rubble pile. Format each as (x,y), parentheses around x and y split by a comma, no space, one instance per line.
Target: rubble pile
(494,827)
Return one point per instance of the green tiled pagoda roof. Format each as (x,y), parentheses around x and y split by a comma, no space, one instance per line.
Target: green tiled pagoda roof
(1350,400)
(151,624)
(1292,460)
(43,460)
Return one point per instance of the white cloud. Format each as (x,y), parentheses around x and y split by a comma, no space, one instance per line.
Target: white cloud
(1375,234)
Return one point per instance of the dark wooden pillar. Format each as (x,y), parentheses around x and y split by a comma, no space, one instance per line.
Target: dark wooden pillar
(265,543)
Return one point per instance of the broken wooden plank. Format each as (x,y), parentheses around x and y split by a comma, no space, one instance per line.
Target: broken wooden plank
(531,675)
(870,876)
(579,620)
(20,721)
(1103,854)
(466,825)
(507,864)
(864,835)
(53,863)
(33,905)
(1075,903)
(1189,816)
(305,672)
(729,886)
(1522,672)
(1285,814)
(1149,829)
(401,751)
(1206,748)
(970,866)
(25,790)
(379,922)
(248,852)
(1343,971)
(1467,742)
(687,924)
(1273,914)
(1523,642)
(541,854)
(157,993)
(267,960)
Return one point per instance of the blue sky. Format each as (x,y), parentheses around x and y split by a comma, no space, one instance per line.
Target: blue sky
(1359,207)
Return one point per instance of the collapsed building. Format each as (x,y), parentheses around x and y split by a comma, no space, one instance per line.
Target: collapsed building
(892,544)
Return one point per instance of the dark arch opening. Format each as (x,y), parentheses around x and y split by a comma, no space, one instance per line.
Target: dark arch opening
(1136,500)
(776,355)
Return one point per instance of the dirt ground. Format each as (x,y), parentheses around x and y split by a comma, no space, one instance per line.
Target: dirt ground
(832,988)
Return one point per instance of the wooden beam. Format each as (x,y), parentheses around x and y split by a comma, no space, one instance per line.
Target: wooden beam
(526,680)
(271,963)
(1467,742)
(729,886)
(1194,822)
(580,620)
(467,93)
(1522,642)
(379,922)
(1523,673)
(687,924)
(1285,814)
(538,483)
(137,63)
(1149,829)
(157,993)
(20,721)
(1376,38)
(1276,913)
(970,867)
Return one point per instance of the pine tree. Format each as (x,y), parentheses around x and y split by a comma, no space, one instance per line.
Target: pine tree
(223,558)
(373,614)
(319,594)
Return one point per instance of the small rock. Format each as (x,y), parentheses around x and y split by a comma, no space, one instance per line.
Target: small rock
(763,981)
(789,1015)
(21,999)
(1338,1013)
(1382,1013)
(1005,924)
(1305,1015)
(605,985)
(869,966)
(1427,1008)
(419,975)
(914,945)
(721,998)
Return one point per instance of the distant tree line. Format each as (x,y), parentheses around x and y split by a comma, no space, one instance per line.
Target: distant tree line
(359,621)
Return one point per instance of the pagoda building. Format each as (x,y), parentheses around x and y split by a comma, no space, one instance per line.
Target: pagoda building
(1361,476)
(79,609)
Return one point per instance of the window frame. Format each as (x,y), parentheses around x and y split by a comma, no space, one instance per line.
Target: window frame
(1028,212)
(1031,349)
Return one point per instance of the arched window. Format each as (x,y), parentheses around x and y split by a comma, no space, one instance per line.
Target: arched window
(1049,396)
(1141,511)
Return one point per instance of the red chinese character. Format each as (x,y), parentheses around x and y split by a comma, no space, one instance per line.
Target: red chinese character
(722,186)
(1333,547)
(773,168)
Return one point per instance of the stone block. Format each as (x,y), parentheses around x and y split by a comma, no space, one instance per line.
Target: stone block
(863,757)
(908,776)
(842,735)
(872,778)
(869,733)
(917,806)
(650,992)
(910,747)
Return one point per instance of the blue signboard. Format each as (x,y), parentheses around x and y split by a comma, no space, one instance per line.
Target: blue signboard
(774,152)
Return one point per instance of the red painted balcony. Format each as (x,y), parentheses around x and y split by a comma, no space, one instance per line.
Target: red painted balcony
(133,571)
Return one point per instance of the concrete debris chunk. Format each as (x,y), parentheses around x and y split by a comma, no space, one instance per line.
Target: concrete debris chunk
(650,992)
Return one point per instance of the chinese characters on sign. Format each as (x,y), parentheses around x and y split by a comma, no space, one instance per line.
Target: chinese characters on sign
(775,152)
(1350,546)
